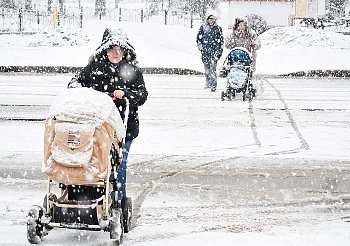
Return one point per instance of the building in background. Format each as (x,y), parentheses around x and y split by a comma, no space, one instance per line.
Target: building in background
(275,12)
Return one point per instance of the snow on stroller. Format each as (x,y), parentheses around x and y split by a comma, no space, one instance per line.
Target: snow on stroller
(83,146)
(239,74)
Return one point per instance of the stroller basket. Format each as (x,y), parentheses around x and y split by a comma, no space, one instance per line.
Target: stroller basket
(81,214)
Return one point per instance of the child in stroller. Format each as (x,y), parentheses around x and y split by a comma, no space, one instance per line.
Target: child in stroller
(83,146)
(237,66)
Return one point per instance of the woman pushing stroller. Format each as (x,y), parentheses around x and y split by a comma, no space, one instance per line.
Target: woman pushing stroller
(244,37)
(86,145)
(240,62)
(112,70)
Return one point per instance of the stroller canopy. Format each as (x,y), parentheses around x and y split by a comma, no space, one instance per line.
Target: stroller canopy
(82,126)
(88,106)
(240,55)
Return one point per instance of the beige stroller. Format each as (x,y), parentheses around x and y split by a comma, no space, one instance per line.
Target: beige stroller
(83,145)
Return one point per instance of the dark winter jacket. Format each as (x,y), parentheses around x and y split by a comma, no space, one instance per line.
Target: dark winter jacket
(104,76)
(210,42)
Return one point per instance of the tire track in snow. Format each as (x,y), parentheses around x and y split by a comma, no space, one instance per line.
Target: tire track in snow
(253,125)
(252,121)
(304,145)
(150,186)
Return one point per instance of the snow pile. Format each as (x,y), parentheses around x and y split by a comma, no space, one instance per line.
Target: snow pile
(58,38)
(303,37)
(174,46)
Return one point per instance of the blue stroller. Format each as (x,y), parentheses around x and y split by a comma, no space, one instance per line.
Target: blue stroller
(239,75)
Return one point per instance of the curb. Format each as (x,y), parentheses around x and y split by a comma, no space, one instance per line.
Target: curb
(66,69)
(175,71)
(319,73)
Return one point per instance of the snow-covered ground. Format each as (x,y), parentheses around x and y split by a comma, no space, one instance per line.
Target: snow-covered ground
(202,172)
(284,49)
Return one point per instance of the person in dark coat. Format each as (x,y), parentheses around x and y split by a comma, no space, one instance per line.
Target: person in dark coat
(113,69)
(210,42)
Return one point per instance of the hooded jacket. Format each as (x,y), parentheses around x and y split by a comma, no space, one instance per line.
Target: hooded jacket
(244,39)
(102,75)
(210,41)
(116,37)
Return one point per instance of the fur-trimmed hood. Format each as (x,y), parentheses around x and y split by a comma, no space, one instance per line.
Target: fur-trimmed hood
(117,37)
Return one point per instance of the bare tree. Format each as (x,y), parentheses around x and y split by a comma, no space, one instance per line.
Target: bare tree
(7,4)
(116,3)
(200,7)
(100,7)
(61,6)
(49,6)
(28,5)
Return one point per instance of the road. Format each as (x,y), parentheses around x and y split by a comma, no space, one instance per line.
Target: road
(200,164)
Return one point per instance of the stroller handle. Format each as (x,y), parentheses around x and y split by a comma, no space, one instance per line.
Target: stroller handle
(238,65)
(127,109)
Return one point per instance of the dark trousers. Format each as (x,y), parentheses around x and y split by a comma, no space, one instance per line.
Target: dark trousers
(210,73)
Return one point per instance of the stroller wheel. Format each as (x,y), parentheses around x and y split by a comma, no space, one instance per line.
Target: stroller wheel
(116,231)
(223,96)
(233,94)
(34,227)
(251,92)
(250,96)
(254,92)
(127,213)
(52,197)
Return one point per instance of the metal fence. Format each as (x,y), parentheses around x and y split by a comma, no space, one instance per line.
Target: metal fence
(41,18)
(183,18)
(22,21)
